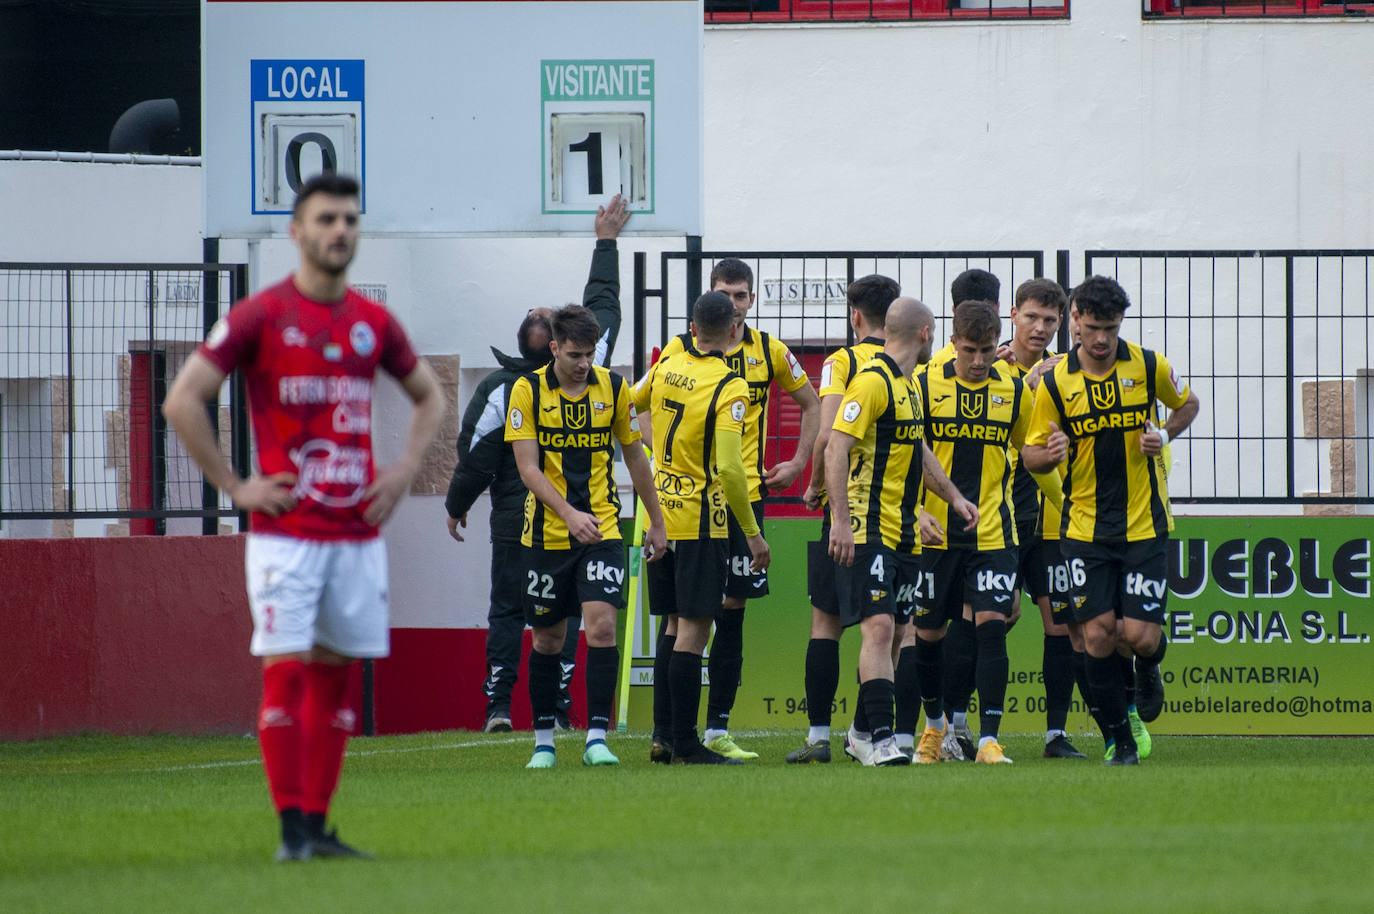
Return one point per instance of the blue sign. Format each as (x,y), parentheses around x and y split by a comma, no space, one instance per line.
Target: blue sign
(307,80)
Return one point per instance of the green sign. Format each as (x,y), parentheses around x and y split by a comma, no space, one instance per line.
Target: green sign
(1269,628)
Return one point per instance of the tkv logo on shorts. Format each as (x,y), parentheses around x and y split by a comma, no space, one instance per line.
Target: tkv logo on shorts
(600,571)
(993,581)
(1103,393)
(575,414)
(1137,585)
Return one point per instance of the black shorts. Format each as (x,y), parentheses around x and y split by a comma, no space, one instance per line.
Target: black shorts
(1030,575)
(912,585)
(689,580)
(985,580)
(1057,582)
(742,583)
(868,587)
(558,581)
(1130,579)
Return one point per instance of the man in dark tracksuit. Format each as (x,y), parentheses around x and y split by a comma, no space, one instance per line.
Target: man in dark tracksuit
(485,460)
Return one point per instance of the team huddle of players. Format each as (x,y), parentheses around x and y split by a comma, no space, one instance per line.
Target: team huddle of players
(949,483)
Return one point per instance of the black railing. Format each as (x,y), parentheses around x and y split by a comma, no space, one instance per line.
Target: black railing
(90,350)
(738,11)
(800,299)
(1277,345)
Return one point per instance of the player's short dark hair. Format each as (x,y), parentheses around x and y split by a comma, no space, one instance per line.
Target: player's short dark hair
(975,285)
(871,295)
(575,324)
(712,314)
(732,269)
(328,183)
(976,322)
(535,321)
(1100,296)
(1046,291)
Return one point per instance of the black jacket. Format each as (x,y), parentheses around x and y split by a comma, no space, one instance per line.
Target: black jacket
(484,458)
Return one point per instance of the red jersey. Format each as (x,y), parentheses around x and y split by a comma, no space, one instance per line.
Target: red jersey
(308,367)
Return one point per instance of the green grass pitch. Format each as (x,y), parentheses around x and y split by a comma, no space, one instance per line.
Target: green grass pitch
(184,824)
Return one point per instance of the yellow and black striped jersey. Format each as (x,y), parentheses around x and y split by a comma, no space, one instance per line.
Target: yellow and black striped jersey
(690,396)
(575,448)
(842,364)
(942,355)
(881,409)
(970,428)
(1025,492)
(1113,492)
(759,359)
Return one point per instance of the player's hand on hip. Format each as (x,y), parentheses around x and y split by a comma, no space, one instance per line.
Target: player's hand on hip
(270,495)
(1057,445)
(1151,441)
(385,492)
(655,543)
(932,534)
(762,555)
(453,524)
(585,528)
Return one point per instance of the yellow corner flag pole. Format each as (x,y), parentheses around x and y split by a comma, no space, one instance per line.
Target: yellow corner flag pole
(622,722)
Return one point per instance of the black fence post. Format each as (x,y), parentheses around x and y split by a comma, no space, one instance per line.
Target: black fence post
(209,314)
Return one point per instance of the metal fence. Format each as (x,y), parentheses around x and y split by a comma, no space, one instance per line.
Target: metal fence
(800,299)
(1277,345)
(89,351)
(755,11)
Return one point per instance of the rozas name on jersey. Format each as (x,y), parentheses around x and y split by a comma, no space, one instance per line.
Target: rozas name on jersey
(294,390)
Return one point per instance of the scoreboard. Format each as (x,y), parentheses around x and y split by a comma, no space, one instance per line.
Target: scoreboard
(507,117)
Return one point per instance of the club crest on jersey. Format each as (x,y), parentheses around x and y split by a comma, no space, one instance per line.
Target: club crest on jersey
(362,339)
(970,404)
(852,410)
(292,336)
(598,407)
(996,400)
(1128,383)
(1103,393)
(575,414)
(517,419)
(333,352)
(737,410)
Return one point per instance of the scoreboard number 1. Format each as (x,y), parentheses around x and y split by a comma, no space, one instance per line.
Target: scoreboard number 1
(597,124)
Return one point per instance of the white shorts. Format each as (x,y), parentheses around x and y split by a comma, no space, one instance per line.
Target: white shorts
(307,592)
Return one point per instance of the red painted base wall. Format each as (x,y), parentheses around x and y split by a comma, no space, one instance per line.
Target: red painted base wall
(150,634)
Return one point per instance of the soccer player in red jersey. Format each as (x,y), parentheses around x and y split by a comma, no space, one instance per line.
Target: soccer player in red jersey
(309,348)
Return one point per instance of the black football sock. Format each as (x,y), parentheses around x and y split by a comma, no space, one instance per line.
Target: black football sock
(960,653)
(1104,678)
(1157,657)
(724,665)
(1057,665)
(906,692)
(1080,675)
(1127,662)
(544,670)
(992,669)
(929,669)
(875,697)
(684,677)
(603,663)
(822,679)
(663,704)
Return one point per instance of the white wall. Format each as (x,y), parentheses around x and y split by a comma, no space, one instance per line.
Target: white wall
(1099,131)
